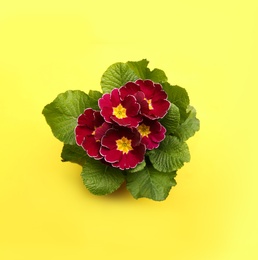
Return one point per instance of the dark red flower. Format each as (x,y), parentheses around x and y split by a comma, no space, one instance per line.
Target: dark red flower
(150,95)
(122,147)
(124,112)
(90,129)
(152,133)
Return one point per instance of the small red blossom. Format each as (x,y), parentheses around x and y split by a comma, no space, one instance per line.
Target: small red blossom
(124,112)
(122,147)
(152,133)
(150,95)
(90,129)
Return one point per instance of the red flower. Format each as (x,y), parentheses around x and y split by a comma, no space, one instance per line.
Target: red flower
(150,95)
(124,112)
(152,133)
(126,124)
(122,147)
(90,129)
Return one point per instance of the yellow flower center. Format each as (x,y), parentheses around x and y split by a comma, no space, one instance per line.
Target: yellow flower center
(119,112)
(94,132)
(149,101)
(124,145)
(144,130)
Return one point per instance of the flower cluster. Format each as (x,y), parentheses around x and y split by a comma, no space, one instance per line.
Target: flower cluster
(126,124)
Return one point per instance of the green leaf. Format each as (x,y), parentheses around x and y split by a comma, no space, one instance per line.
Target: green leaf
(171,119)
(116,76)
(157,75)
(141,69)
(120,73)
(74,154)
(62,114)
(179,97)
(188,128)
(139,167)
(99,178)
(94,96)
(150,183)
(170,155)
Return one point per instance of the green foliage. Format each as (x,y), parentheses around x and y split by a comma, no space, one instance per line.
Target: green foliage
(170,155)
(139,68)
(99,178)
(157,75)
(62,114)
(73,153)
(94,96)
(179,97)
(138,168)
(150,183)
(171,120)
(155,176)
(143,72)
(116,76)
(188,128)
(120,73)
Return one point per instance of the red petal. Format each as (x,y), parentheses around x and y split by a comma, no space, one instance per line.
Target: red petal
(128,122)
(101,130)
(92,147)
(79,139)
(131,159)
(132,107)
(83,130)
(110,156)
(80,133)
(160,108)
(150,145)
(130,88)
(159,95)
(87,117)
(109,139)
(147,87)
(115,97)
(104,101)
(158,137)
(140,97)
(98,119)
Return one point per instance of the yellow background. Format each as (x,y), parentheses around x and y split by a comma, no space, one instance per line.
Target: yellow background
(207,47)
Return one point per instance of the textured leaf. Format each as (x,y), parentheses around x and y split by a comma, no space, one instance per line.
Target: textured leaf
(157,75)
(188,128)
(139,68)
(170,155)
(150,183)
(179,97)
(171,119)
(116,76)
(120,73)
(139,167)
(99,178)
(74,154)
(94,96)
(62,114)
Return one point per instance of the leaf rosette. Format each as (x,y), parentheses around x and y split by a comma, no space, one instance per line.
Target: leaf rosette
(133,132)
